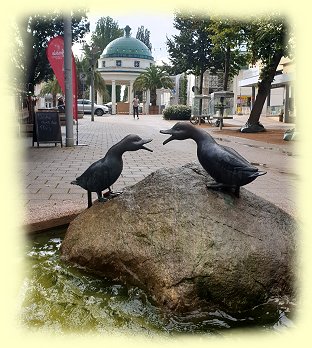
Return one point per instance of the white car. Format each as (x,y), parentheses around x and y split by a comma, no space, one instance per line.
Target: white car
(84,105)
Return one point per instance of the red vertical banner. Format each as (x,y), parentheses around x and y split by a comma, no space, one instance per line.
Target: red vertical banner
(55,54)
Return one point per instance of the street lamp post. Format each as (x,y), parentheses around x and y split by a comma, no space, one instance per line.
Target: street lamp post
(91,69)
(83,78)
(92,87)
(68,80)
(92,61)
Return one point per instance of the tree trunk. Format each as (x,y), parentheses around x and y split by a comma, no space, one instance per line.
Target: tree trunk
(253,124)
(30,62)
(226,68)
(153,97)
(201,81)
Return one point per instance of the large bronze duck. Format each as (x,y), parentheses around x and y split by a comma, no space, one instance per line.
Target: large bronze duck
(226,166)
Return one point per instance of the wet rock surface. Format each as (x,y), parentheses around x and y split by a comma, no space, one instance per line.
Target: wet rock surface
(190,248)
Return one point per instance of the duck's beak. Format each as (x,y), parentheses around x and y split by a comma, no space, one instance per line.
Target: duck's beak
(167,131)
(146,141)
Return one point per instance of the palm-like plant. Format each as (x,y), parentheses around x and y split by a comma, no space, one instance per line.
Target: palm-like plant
(99,83)
(100,86)
(153,78)
(51,87)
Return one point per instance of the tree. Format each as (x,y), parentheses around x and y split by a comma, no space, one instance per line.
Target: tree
(83,66)
(53,87)
(32,37)
(153,78)
(268,40)
(125,95)
(144,36)
(183,89)
(106,30)
(228,37)
(191,50)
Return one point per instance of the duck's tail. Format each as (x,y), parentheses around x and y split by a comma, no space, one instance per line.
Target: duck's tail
(74,182)
(258,174)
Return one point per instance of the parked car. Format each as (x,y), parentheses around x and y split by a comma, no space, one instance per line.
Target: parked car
(84,105)
(109,105)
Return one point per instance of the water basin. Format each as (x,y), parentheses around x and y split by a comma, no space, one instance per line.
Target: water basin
(62,298)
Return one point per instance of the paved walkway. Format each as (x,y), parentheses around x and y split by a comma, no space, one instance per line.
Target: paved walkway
(48,170)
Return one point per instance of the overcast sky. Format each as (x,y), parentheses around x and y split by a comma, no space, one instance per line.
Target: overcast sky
(159,25)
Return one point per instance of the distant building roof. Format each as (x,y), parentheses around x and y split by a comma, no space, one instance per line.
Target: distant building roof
(279,80)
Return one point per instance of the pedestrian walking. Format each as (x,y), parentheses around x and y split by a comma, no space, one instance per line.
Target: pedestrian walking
(135,104)
(61,104)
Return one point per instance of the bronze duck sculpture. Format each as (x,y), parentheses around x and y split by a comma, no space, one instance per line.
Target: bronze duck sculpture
(226,166)
(104,172)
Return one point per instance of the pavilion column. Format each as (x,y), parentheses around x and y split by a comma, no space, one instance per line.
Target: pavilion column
(148,101)
(130,97)
(113,97)
(99,98)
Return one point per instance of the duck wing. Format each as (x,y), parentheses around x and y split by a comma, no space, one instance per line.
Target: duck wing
(227,166)
(235,154)
(231,160)
(96,178)
(100,178)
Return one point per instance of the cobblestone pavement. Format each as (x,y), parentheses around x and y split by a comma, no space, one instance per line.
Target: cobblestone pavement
(48,170)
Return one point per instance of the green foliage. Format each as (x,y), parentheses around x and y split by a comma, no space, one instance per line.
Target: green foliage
(153,78)
(177,112)
(125,95)
(191,50)
(267,38)
(100,86)
(216,43)
(183,89)
(206,43)
(51,86)
(228,38)
(83,65)
(106,30)
(32,37)
(144,36)
(118,93)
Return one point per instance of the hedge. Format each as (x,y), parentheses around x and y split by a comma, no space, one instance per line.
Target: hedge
(177,112)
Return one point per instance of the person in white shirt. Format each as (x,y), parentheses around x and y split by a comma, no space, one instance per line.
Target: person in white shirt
(135,104)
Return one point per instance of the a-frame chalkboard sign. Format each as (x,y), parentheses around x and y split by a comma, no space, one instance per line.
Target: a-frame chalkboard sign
(47,128)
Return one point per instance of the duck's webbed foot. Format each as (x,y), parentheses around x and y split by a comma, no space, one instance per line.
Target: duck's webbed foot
(216,186)
(225,188)
(110,194)
(101,198)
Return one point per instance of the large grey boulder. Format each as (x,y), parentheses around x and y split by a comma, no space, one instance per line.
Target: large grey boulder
(188,247)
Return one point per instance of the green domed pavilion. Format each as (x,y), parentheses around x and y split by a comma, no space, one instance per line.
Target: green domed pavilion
(121,62)
(127,46)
